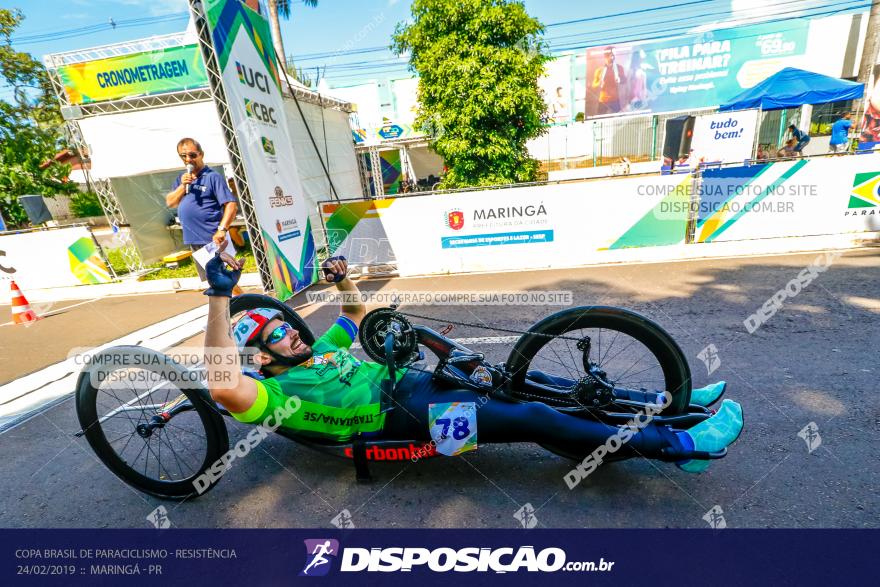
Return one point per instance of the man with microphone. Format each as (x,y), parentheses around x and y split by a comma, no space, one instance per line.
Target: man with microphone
(206,207)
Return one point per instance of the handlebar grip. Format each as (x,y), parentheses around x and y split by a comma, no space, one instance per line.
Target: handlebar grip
(336,277)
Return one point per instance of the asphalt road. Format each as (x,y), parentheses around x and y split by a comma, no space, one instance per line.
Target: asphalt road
(814,361)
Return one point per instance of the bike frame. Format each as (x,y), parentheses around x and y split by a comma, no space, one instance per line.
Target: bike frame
(456,361)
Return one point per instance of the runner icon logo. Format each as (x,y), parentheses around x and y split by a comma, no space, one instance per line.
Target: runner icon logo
(319,553)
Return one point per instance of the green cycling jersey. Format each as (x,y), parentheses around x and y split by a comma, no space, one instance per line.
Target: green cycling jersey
(339,393)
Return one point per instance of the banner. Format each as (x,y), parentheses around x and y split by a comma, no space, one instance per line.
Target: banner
(52,258)
(139,74)
(809,197)
(241,41)
(354,229)
(556,85)
(561,225)
(688,72)
(163,553)
(727,137)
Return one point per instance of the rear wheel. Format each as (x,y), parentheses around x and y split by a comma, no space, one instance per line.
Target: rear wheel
(146,418)
(620,347)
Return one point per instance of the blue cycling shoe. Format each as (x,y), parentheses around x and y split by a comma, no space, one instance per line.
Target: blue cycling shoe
(706,396)
(711,435)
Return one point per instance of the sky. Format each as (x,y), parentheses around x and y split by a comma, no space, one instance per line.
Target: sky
(53,26)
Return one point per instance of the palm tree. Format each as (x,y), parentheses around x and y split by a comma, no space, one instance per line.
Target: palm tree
(282,8)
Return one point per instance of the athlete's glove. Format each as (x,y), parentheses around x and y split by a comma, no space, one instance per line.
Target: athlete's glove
(220,277)
(335,269)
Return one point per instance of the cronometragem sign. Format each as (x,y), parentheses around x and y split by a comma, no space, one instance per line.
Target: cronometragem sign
(139,74)
(249,74)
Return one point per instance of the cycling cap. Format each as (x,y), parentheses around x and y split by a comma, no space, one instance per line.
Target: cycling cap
(248,328)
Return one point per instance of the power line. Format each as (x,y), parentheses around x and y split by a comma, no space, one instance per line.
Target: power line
(821,4)
(378,66)
(91,29)
(669,34)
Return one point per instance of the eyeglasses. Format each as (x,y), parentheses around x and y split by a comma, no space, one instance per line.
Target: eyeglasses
(278,334)
(190,155)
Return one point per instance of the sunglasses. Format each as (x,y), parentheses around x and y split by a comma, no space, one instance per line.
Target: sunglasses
(278,334)
(190,155)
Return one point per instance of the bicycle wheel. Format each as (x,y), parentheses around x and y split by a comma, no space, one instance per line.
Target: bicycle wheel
(632,351)
(245,302)
(121,396)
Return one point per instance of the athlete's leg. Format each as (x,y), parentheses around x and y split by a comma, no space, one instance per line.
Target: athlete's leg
(701,396)
(500,421)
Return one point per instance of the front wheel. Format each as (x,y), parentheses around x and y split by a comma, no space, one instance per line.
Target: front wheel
(628,350)
(146,418)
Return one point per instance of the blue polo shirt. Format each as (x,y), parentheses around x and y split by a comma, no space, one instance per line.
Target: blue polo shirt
(201,210)
(840,131)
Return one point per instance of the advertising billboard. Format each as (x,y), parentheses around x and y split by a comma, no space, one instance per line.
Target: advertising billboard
(250,79)
(688,72)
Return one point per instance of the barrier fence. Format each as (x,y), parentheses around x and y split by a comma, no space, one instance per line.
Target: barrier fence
(578,223)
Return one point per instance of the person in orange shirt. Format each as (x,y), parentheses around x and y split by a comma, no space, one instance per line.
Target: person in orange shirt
(609,79)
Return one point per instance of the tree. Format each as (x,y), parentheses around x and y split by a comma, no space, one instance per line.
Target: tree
(282,8)
(30,128)
(478,63)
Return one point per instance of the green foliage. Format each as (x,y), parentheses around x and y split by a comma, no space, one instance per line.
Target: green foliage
(85,204)
(117,261)
(478,63)
(30,128)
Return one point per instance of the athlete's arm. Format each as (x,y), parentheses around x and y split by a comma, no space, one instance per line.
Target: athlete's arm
(226,383)
(352,306)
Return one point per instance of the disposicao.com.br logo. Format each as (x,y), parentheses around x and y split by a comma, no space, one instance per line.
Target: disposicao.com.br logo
(441,560)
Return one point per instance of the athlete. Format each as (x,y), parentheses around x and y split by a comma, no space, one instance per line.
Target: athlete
(340,395)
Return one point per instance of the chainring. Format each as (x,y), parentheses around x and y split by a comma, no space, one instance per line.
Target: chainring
(376,325)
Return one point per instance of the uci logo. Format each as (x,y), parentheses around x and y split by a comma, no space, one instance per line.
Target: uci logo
(252,78)
(263,113)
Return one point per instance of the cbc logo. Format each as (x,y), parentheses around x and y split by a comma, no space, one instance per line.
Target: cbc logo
(261,112)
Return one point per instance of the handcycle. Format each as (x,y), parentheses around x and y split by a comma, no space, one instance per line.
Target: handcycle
(603,363)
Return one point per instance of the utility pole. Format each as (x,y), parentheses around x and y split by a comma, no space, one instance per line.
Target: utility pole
(869,50)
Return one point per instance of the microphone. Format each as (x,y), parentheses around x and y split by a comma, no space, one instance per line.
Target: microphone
(189,169)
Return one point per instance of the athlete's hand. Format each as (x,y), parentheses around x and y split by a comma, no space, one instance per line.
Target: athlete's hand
(223,272)
(335,269)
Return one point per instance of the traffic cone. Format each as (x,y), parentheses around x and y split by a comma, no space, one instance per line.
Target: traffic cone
(21,310)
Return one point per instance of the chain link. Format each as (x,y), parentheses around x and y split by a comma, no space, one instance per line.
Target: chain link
(488,327)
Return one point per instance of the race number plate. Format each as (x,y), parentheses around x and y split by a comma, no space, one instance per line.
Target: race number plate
(453,427)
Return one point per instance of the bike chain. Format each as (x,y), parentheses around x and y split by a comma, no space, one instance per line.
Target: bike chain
(493,328)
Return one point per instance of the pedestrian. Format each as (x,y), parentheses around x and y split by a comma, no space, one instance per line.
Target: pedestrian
(840,133)
(205,205)
(787,150)
(800,137)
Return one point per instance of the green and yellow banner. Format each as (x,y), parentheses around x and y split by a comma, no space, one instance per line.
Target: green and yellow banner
(139,74)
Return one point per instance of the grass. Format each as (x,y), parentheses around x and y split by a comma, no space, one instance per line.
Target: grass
(114,257)
(186,268)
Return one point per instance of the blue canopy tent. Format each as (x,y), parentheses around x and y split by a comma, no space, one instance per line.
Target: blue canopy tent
(792,88)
